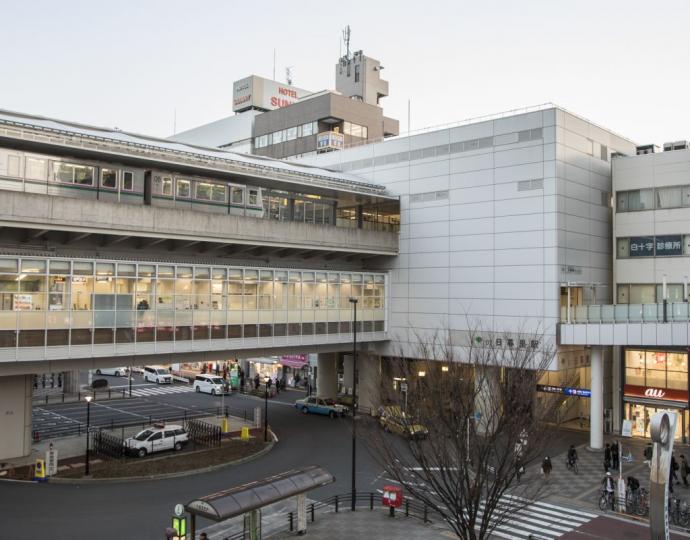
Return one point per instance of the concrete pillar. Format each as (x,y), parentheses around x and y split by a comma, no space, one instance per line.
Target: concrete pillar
(369,381)
(326,375)
(70,382)
(486,380)
(349,372)
(596,402)
(617,385)
(15,416)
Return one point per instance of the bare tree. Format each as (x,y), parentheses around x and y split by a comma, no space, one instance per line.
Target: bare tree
(471,422)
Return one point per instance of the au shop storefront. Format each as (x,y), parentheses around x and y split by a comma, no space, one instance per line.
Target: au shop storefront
(655,380)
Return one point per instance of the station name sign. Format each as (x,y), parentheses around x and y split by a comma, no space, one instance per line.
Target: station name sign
(566,390)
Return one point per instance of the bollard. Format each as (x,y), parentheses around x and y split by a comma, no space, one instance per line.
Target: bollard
(312,512)
(407,508)
(391,512)
(425,515)
(371,501)
(290,520)
(63,397)
(46,399)
(336,504)
(109,394)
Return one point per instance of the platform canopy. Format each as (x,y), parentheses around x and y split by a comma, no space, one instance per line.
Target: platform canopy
(241,499)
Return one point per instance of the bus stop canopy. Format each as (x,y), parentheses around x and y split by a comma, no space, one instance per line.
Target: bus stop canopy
(242,499)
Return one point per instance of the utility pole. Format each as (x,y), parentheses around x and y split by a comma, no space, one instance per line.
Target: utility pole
(353,495)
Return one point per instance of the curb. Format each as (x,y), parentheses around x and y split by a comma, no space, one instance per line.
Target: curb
(164,476)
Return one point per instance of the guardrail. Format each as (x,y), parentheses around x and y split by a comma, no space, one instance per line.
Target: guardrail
(627,313)
(368,500)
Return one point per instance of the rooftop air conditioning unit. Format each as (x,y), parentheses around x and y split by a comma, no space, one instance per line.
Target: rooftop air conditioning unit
(677,145)
(647,149)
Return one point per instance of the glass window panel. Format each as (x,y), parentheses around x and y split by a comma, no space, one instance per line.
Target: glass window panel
(641,199)
(184,271)
(166,271)
(109,178)
(281,276)
(126,269)
(623,293)
(36,169)
(8,265)
(63,172)
(83,175)
(291,134)
(82,268)
(655,378)
(235,274)
(635,359)
(105,269)
(307,276)
(127,181)
(266,275)
(642,294)
(669,197)
(219,273)
(656,360)
(677,362)
(147,270)
(82,289)
(685,194)
(184,189)
(59,267)
(32,266)
(254,197)
(251,275)
(202,272)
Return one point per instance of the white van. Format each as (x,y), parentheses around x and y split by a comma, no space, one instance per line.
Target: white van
(116,371)
(210,384)
(156,438)
(157,374)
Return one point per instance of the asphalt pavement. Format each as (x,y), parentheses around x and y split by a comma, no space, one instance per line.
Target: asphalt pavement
(141,510)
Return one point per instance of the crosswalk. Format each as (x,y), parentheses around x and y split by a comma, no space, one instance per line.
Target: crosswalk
(522,518)
(161,390)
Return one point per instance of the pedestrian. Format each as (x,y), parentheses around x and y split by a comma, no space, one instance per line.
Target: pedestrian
(257,381)
(203,536)
(607,457)
(684,470)
(674,469)
(614,456)
(546,467)
(217,369)
(241,381)
(648,452)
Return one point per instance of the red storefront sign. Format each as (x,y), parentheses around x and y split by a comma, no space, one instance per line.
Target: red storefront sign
(663,394)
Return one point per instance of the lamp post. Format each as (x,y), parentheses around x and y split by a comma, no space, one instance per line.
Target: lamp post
(88,422)
(266,380)
(130,381)
(353,495)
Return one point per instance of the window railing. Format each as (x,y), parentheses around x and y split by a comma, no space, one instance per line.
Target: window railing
(627,313)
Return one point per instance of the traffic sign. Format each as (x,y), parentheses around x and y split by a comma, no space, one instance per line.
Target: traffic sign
(403,387)
(179,510)
(478,416)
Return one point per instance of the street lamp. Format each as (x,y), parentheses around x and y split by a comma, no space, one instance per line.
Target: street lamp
(130,381)
(88,422)
(353,495)
(266,380)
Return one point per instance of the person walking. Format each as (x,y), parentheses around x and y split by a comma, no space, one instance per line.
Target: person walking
(614,456)
(609,488)
(546,467)
(648,452)
(607,458)
(674,469)
(684,470)
(257,381)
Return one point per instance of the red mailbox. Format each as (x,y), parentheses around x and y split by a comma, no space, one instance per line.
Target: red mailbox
(392,497)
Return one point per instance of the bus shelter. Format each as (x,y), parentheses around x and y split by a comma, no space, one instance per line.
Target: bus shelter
(248,499)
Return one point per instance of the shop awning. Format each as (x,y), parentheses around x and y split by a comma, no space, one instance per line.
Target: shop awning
(296,361)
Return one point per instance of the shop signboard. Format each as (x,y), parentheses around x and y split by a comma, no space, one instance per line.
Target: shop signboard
(671,244)
(234,377)
(658,394)
(626,430)
(642,246)
(257,92)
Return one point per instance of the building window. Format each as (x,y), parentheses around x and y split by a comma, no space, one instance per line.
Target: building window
(623,248)
(291,134)
(357,73)
(307,129)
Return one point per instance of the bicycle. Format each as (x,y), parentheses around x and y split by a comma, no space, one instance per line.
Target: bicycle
(572,465)
(606,501)
(637,502)
(678,512)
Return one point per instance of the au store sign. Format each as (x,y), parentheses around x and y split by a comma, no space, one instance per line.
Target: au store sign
(566,390)
(659,394)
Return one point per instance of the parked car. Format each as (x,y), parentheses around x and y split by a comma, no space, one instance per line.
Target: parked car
(137,369)
(157,374)
(116,371)
(319,405)
(394,420)
(211,384)
(156,438)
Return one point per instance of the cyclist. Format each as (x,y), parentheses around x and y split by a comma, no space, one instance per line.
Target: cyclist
(608,487)
(572,456)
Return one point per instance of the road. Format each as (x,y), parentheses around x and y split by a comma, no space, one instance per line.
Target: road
(142,509)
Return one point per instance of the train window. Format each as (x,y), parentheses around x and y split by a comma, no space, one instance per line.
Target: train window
(63,172)
(109,178)
(236,195)
(218,193)
(203,191)
(128,181)
(183,188)
(83,175)
(162,185)
(35,168)
(254,197)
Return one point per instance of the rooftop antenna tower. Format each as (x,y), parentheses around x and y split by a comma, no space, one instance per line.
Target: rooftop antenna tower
(346,39)
(288,74)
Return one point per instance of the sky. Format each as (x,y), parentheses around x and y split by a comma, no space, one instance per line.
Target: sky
(152,66)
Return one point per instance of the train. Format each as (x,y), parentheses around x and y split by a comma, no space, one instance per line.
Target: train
(107,181)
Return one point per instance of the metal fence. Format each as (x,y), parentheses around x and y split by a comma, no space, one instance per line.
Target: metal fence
(203,433)
(107,445)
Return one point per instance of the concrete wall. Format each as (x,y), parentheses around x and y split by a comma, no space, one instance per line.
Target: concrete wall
(15,416)
(62,213)
(496,215)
